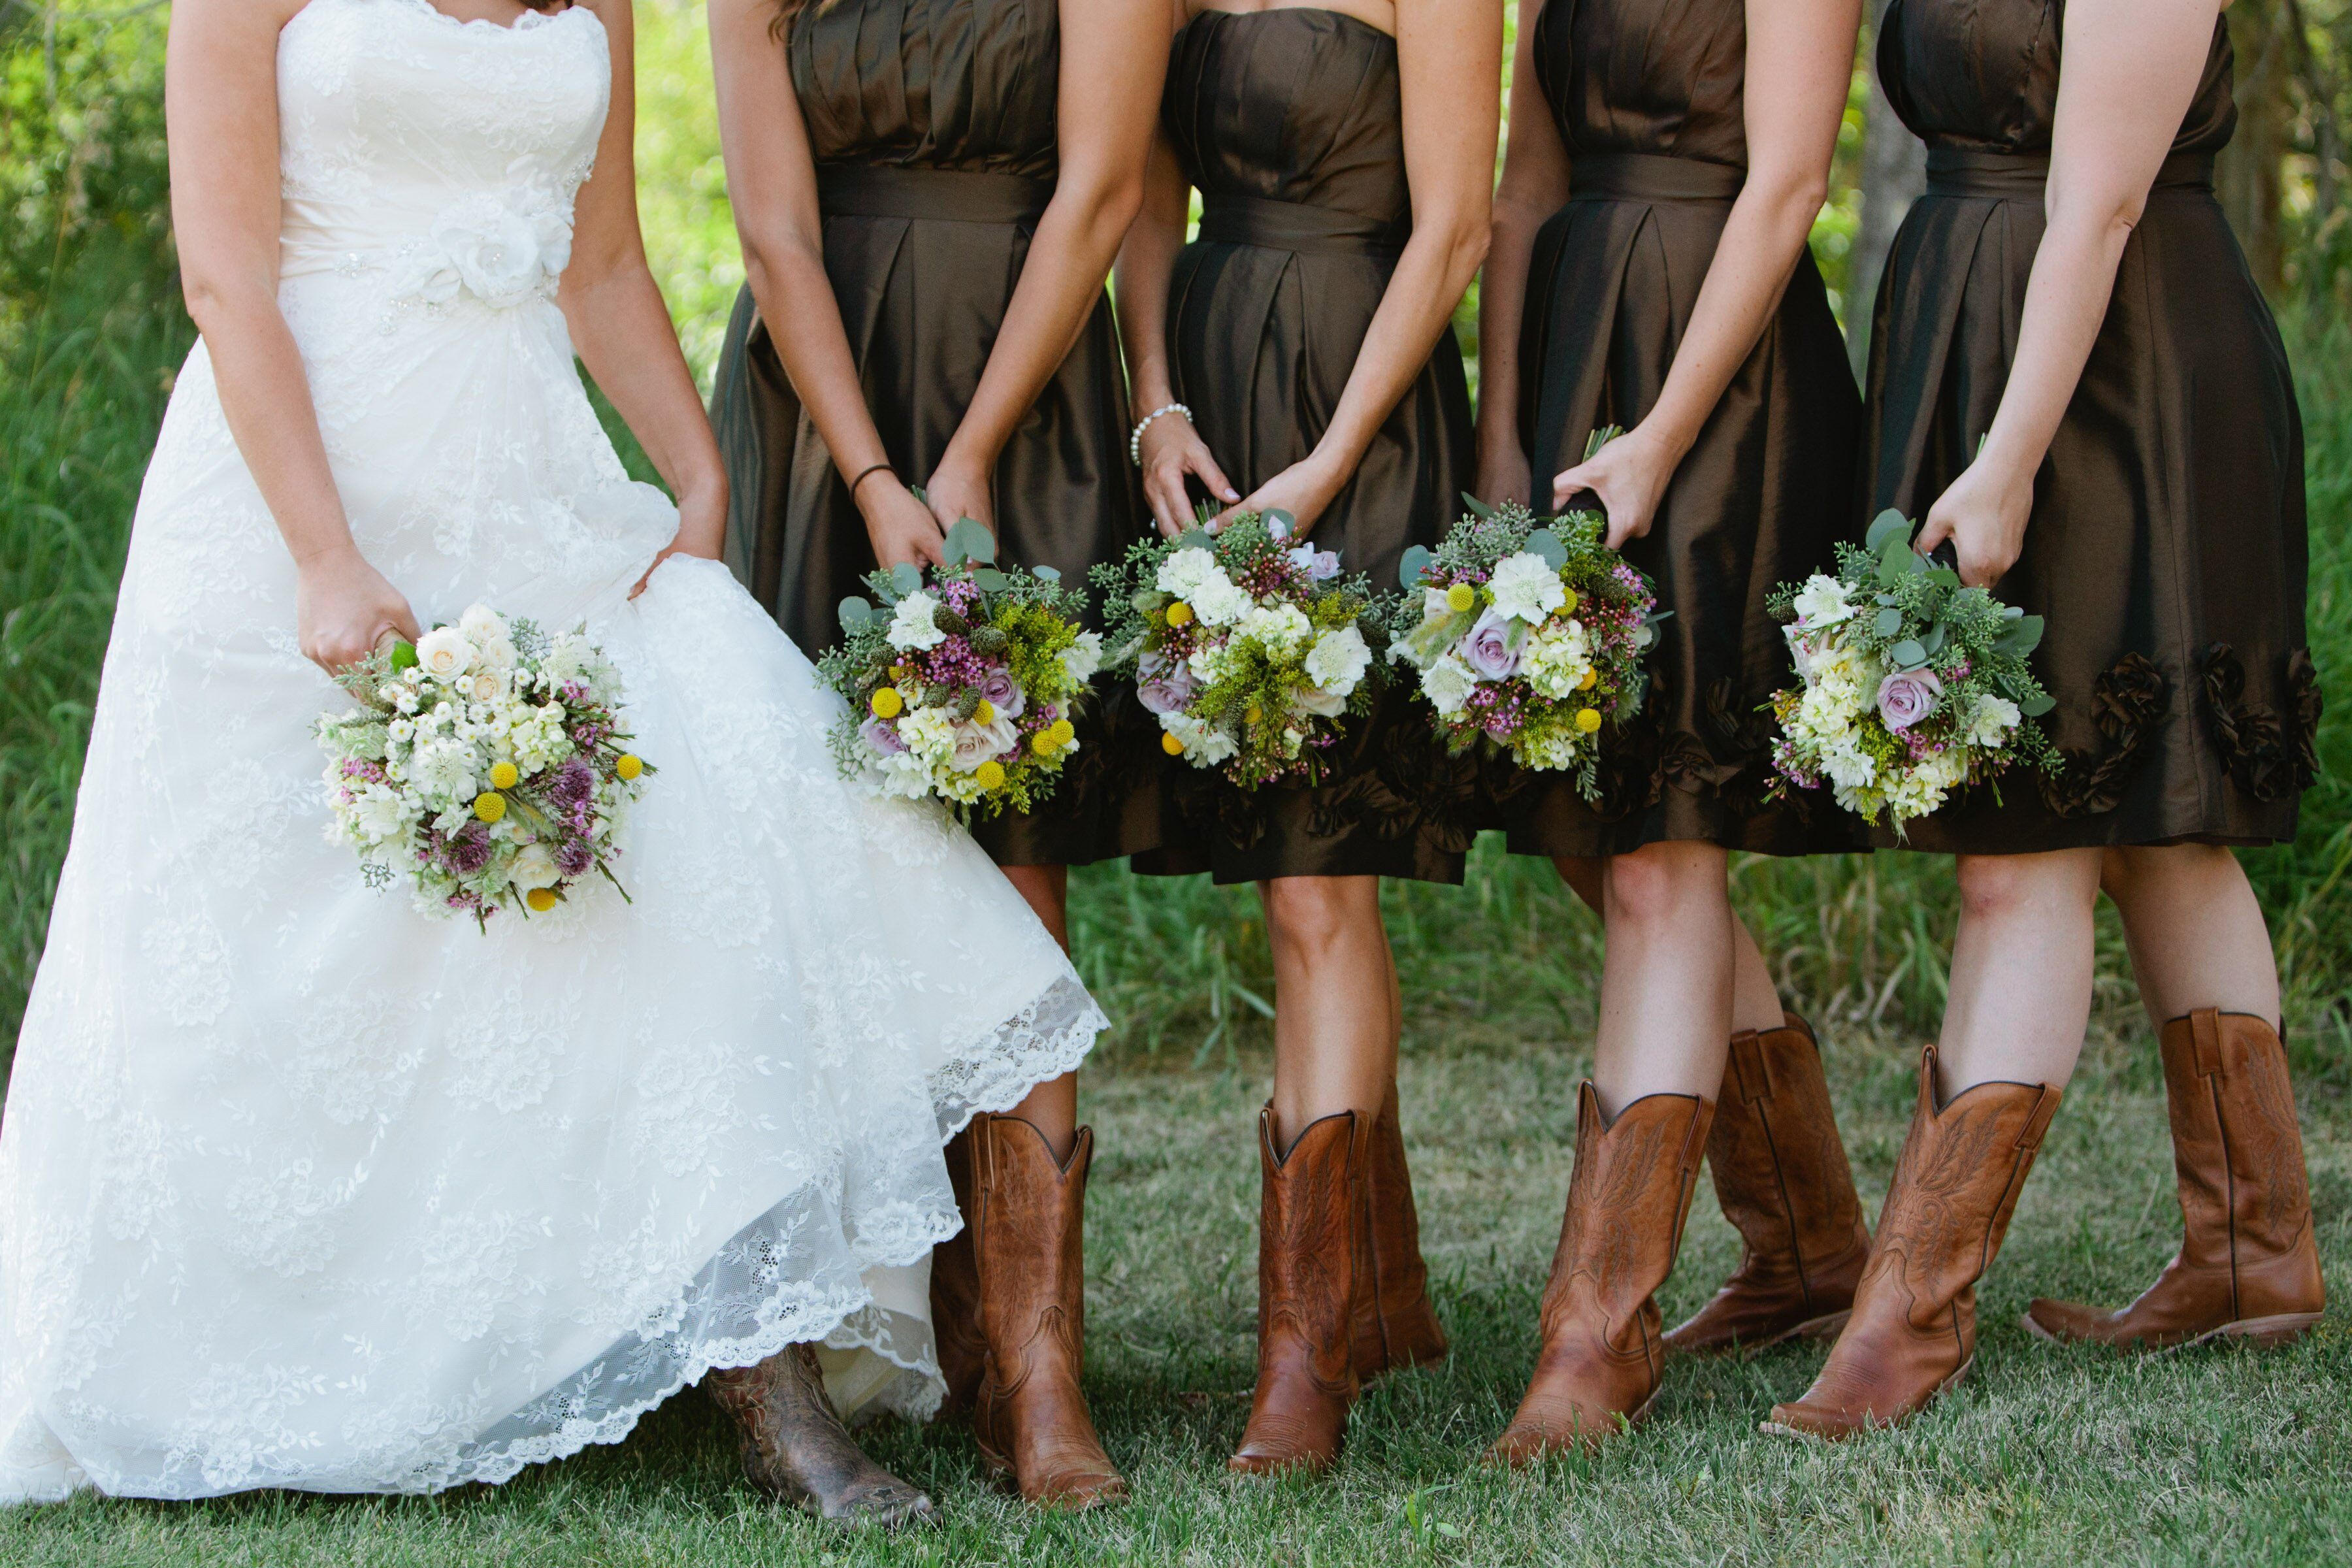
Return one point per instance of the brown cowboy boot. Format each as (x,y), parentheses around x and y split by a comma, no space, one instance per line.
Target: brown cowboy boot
(1914,1330)
(1027,1218)
(795,1447)
(1395,1326)
(2248,1266)
(1597,1370)
(1781,1176)
(1309,1248)
(955,1294)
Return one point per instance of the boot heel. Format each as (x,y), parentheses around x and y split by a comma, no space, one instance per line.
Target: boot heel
(2283,1328)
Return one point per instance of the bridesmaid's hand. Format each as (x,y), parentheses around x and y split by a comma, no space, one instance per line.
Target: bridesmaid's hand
(1172,451)
(1506,477)
(957,491)
(1983,515)
(1303,489)
(1630,475)
(701,529)
(901,528)
(344,609)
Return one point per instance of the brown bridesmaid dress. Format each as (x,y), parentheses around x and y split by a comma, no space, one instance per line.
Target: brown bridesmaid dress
(1649,99)
(2166,543)
(1289,124)
(933,123)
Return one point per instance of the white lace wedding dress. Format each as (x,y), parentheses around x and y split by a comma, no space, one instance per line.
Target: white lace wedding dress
(299,1188)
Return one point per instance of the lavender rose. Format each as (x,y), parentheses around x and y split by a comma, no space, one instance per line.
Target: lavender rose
(1162,685)
(1004,693)
(1908,696)
(1490,650)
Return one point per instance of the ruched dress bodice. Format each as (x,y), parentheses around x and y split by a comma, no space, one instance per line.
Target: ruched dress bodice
(1649,99)
(968,85)
(2166,543)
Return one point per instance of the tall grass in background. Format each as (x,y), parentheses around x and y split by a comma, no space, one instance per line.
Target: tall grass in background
(86,357)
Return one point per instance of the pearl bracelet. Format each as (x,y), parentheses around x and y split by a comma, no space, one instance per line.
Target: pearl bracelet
(1135,442)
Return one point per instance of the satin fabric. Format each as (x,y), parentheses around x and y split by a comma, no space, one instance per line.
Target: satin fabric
(933,123)
(1648,98)
(2167,546)
(1290,124)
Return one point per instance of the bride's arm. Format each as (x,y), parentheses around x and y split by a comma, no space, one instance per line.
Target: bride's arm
(622,329)
(220,99)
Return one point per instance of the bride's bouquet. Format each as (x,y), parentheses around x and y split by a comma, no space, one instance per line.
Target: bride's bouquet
(1245,644)
(960,685)
(487,764)
(1527,633)
(1909,685)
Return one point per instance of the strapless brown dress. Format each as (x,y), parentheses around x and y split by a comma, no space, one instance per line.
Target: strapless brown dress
(1289,124)
(2166,544)
(1649,97)
(933,123)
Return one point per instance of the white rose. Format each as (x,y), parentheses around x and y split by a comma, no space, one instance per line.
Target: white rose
(912,627)
(1337,660)
(481,624)
(499,654)
(1821,601)
(977,744)
(485,686)
(1083,658)
(534,868)
(1330,704)
(1526,586)
(444,653)
(1448,684)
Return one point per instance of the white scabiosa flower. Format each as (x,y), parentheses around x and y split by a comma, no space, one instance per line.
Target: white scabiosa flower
(1821,601)
(1448,684)
(1338,661)
(1527,587)
(913,626)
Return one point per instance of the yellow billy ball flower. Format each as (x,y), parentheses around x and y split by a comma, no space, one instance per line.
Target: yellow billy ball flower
(1171,745)
(1064,732)
(990,775)
(1568,606)
(886,703)
(630,766)
(1180,614)
(1254,715)
(1461,596)
(985,713)
(489,806)
(541,899)
(504,775)
(1588,719)
(1591,679)
(1044,742)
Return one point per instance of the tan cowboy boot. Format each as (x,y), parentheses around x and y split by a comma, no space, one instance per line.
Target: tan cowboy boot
(955,1294)
(1914,1330)
(1027,1219)
(795,1447)
(1602,1353)
(1310,1251)
(2248,1266)
(1395,1326)
(1781,1176)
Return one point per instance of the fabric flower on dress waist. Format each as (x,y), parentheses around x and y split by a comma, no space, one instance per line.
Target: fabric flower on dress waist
(504,247)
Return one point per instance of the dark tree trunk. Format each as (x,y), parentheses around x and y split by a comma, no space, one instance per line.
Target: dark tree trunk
(2248,177)
(1894,173)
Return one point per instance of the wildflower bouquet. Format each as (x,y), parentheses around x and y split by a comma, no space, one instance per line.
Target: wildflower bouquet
(1527,633)
(961,683)
(1246,645)
(486,763)
(1909,685)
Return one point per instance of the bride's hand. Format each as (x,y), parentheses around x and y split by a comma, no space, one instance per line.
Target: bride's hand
(900,527)
(344,609)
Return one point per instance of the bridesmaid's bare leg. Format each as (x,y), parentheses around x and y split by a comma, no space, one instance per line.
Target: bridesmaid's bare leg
(1755,994)
(2197,935)
(2021,992)
(1336,1005)
(1666,975)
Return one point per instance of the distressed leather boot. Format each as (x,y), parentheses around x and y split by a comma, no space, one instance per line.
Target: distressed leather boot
(1603,1353)
(1027,1220)
(795,1447)
(1914,1330)
(1395,1326)
(1309,1248)
(1781,1176)
(955,1294)
(2248,1266)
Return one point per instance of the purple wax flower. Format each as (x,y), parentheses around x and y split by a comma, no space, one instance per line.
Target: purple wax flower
(883,736)
(1488,649)
(1908,696)
(1163,685)
(1003,692)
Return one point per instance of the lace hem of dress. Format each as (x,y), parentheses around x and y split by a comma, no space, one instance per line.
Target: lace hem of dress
(743,1306)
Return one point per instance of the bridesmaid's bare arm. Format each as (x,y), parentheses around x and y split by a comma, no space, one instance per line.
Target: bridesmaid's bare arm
(1114,59)
(220,101)
(619,325)
(1533,186)
(1803,59)
(771,181)
(2130,73)
(1449,56)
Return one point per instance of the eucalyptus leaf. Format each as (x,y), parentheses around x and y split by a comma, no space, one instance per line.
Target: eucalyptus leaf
(1907,654)
(1413,566)
(856,615)
(1889,622)
(1934,639)
(1046,573)
(1944,577)
(991,581)
(1887,526)
(970,540)
(2034,704)
(2011,613)
(1544,543)
(1196,538)
(1478,509)
(2021,637)
(906,577)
